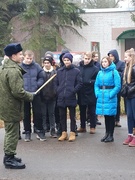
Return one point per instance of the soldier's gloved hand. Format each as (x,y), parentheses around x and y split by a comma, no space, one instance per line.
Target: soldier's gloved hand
(34,94)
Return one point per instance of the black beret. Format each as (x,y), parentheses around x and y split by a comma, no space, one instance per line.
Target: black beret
(12,48)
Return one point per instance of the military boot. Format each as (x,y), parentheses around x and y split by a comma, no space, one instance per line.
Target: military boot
(11,163)
(16,158)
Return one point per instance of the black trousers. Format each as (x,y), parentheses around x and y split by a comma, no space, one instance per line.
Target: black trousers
(109,124)
(83,114)
(63,118)
(35,106)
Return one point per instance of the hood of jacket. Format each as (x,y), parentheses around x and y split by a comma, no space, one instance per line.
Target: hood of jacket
(114,52)
(109,68)
(64,51)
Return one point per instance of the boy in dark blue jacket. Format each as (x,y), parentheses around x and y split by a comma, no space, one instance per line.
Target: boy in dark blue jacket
(68,82)
(33,79)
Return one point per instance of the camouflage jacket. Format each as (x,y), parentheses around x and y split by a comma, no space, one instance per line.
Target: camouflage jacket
(12,93)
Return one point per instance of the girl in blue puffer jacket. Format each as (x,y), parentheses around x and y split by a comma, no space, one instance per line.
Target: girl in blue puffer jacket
(107,86)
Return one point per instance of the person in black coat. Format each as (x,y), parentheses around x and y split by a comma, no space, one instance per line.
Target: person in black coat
(57,114)
(95,58)
(120,66)
(48,97)
(67,83)
(86,95)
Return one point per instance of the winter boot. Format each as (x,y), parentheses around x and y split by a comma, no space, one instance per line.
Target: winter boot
(92,130)
(63,137)
(104,138)
(132,143)
(81,130)
(109,138)
(106,130)
(128,140)
(71,137)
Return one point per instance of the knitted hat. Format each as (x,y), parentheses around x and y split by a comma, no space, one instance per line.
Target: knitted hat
(49,53)
(48,58)
(13,48)
(69,56)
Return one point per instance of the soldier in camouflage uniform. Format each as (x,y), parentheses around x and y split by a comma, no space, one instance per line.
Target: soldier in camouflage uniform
(12,96)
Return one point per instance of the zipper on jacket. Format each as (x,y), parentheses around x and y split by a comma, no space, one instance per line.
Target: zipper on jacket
(103,94)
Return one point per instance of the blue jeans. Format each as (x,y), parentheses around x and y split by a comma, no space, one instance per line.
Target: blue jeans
(130,108)
(48,108)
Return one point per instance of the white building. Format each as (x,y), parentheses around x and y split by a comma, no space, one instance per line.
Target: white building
(107,29)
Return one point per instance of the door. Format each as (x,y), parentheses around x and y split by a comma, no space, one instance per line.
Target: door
(129,43)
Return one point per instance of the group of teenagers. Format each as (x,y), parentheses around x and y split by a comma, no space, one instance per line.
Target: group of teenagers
(92,85)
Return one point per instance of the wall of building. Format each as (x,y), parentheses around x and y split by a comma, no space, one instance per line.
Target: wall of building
(101,23)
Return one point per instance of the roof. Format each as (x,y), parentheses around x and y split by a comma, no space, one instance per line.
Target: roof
(107,10)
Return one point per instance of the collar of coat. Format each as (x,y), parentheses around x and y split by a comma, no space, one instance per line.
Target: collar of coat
(91,63)
(9,63)
(46,70)
(67,68)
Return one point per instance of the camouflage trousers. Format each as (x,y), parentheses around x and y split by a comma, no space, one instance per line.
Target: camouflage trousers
(11,137)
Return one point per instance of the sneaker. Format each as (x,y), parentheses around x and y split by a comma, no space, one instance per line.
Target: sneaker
(98,122)
(53,133)
(128,140)
(34,129)
(88,121)
(59,130)
(27,137)
(41,135)
(23,132)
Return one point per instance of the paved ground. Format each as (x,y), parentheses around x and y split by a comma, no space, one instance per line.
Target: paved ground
(85,159)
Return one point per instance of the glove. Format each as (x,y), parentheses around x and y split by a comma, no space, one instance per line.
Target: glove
(34,94)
